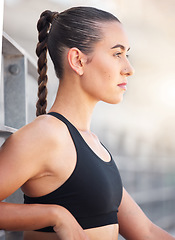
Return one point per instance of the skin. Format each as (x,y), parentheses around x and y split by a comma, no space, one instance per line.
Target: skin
(38,157)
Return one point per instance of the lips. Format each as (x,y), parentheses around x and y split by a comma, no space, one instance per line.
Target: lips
(122,85)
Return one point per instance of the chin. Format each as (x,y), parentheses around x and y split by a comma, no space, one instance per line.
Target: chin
(114,100)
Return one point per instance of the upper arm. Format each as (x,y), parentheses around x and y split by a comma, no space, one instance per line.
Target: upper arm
(133,223)
(22,157)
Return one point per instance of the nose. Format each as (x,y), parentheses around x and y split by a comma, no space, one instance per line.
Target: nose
(128,70)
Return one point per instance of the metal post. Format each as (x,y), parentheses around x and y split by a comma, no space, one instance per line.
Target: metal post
(17,107)
(2,233)
(1,26)
(1,74)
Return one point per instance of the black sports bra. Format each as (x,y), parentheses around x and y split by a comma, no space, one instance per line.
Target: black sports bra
(92,193)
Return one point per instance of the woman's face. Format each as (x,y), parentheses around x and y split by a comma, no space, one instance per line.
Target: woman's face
(105,76)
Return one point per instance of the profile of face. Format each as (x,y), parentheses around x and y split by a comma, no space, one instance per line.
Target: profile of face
(105,76)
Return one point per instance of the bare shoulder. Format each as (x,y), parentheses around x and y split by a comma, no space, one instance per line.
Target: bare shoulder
(49,126)
(25,153)
(42,130)
(36,141)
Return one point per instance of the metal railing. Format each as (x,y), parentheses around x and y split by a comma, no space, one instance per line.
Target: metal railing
(18,78)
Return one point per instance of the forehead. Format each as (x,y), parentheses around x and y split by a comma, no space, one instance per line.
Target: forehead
(113,34)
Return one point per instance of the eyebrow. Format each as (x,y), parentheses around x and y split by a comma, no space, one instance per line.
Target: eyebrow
(120,46)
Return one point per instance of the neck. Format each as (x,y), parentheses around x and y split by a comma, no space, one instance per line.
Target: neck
(75,105)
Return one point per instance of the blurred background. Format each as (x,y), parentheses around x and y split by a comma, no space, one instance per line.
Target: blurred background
(140,131)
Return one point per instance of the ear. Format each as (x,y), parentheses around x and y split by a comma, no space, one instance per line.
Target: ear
(76,60)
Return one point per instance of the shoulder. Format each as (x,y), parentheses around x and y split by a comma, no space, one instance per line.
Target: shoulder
(43,129)
(25,153)
(35,142)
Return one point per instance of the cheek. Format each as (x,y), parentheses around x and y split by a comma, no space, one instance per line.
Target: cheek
(96,77)
(102,69)
(100,79)
(108,69)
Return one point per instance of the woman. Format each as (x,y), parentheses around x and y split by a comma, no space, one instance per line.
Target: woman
(72,188)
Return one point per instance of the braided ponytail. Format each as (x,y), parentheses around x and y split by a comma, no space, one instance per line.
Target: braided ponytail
(43,27)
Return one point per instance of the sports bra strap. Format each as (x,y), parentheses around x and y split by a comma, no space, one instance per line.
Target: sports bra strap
(72,130)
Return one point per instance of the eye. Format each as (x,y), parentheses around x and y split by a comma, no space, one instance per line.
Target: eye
(118,54)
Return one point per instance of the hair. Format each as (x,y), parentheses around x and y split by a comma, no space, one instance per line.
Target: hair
(76,27)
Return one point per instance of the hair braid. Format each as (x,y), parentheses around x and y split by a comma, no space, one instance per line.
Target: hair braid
(43,27)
